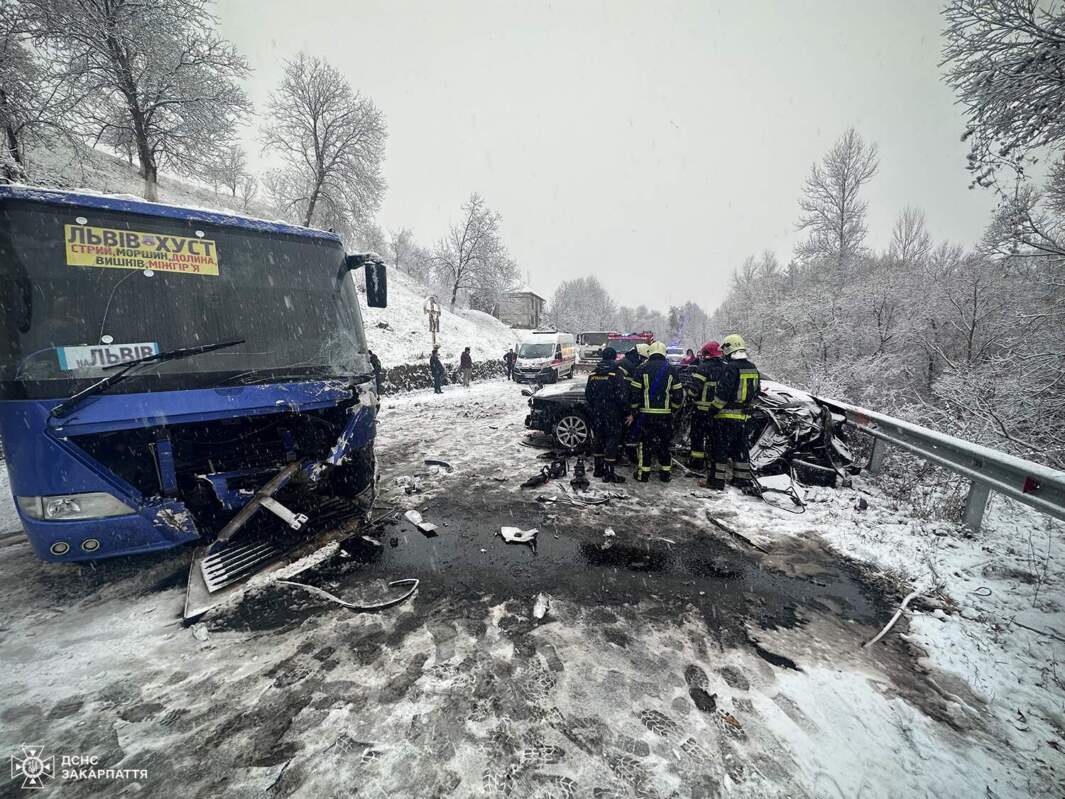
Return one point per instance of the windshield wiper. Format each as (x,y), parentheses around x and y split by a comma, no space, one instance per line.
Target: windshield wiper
(67,406)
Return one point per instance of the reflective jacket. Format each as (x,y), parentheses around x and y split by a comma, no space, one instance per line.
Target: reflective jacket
(656,387)
(607,389)
(704,379)
(737,389)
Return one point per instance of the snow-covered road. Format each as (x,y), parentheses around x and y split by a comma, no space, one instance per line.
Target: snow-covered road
(670,659)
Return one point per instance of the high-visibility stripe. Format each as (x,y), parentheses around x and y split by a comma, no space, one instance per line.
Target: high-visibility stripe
(747,376)
(704,406)
(655,410)
(718,403)
(697,455)
(738,415)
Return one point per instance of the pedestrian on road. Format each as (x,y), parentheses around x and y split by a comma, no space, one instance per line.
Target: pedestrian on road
(689,358)
(737,389)
(436,369)
(375,364)
(657,391)
(508,362)
(701,391)
(607,395)
(466,367)
(628,364)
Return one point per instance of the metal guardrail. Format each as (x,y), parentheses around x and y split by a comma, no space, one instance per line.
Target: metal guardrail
(1037,486)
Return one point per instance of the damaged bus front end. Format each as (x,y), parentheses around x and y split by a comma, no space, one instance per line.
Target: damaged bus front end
(170,376)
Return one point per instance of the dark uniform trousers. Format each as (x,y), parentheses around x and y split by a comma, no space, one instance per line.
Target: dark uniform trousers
(700,436)
(655,440)
(608,426)
(730,452)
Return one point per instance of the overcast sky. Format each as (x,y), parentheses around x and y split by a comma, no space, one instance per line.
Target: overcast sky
(652,144)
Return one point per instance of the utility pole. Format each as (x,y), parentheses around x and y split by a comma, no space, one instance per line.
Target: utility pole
(432,308)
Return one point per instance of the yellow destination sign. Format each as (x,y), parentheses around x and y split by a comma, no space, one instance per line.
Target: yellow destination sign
(129,249)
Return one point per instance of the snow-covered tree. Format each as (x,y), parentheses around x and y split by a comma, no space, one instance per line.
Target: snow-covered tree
(472,258)
(1005,60)
(158,78)
(331,141)
(36,95)
(832,210)
(229,168)
(582,304)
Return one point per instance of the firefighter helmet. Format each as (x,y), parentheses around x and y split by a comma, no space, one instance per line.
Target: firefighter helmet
(732,343)
(711,349)
(658,348)
(643,350)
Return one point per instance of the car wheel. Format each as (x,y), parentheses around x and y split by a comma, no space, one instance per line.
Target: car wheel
(572,432)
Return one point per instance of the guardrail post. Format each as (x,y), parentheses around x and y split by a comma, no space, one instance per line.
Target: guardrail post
(975,505)
(876,456)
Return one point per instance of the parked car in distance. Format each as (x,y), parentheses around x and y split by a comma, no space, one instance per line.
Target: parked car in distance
(546,356)
(675,355)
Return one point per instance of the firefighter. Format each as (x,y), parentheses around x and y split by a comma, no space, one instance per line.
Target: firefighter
(607,395)
(701,391)
(656,391)
(737,389)
(629,362)
(628,366)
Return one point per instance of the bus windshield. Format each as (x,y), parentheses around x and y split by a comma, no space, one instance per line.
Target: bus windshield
(83,288)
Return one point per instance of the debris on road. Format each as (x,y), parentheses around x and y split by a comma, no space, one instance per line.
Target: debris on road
(435,462)
(199,631)
(415,518)
(542,605)
(389,603)
(738,536)
(902,608)
(515,535)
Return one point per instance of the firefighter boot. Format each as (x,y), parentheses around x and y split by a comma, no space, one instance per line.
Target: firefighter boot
(598,469)
(718,477)
(665,475)
(611,476)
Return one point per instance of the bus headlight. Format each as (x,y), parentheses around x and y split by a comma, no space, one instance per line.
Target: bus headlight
(94,505)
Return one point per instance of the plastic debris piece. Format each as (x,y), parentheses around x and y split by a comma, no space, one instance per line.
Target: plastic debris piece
(515,535)
(413,517)
(542,605)
(609,532)
(434,462)
(199,632)
(413,583)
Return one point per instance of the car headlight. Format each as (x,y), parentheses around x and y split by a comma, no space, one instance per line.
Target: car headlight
(94,505)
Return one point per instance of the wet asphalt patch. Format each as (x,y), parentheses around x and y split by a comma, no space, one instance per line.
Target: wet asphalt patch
(467,562)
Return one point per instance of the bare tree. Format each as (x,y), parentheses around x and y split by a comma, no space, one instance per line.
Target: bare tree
(1005,60)
(401,246)
(472,257)
(910,242)
(158,77)
(332,142)
(230,168)
(36,95)
(832,209)
(248,189)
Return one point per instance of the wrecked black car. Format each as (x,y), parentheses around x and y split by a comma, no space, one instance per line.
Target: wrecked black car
(789,429)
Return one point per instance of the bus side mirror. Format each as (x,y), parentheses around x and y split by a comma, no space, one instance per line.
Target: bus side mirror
(376,285)
(376,277)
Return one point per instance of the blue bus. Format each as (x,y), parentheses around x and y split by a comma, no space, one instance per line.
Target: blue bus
(167,373)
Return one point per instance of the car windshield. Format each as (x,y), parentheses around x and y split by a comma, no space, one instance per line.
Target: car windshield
(83,288)
(536,350)
(594,339)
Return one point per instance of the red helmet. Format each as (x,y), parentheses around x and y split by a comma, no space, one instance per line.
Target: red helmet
(711,349)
